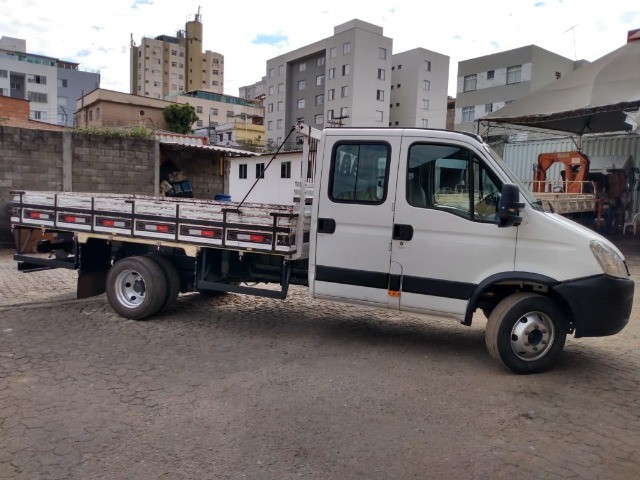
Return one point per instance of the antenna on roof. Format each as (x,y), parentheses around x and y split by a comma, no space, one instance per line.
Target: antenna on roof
(198,16)
(573,30)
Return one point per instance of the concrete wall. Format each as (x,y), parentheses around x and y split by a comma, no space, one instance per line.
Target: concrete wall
(61,161)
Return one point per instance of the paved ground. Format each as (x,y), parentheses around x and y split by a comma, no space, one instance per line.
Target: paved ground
(240,387)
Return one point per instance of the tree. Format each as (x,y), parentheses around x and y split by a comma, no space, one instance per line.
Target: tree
(180,117)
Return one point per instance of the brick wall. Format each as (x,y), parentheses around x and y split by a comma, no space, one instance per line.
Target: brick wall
(34,160)
(113,165)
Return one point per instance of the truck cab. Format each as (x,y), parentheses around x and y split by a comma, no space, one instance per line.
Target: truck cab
(418,220)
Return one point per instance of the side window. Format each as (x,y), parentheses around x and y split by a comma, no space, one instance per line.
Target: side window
(440,177)
(359,173)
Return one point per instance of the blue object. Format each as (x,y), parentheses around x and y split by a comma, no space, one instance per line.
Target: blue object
(222,198)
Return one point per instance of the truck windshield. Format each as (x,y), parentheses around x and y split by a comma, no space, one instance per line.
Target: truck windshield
(531,200)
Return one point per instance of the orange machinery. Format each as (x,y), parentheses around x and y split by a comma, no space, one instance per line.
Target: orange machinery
(574,175)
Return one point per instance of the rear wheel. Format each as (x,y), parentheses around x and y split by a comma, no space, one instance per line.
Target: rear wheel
(171,277)
(526,332)
(136,287)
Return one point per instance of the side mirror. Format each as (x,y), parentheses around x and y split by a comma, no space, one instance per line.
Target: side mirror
(509,206)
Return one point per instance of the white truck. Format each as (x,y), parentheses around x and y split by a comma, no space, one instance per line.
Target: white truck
(416,220)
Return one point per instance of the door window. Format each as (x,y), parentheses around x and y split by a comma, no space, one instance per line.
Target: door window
(440,177)
(359,173)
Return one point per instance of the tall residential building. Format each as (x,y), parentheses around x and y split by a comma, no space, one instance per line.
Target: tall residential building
(51,85)
(419,79)
(341,80)
(168,64)
(488,83)
(255,91)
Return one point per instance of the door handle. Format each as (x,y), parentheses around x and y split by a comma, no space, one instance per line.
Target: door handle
(402,232)
(326,225)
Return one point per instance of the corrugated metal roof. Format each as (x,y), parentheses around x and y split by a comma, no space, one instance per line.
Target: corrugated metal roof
(231,152)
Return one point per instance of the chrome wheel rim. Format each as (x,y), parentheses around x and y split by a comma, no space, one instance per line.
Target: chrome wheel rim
(130,288)
(532,336)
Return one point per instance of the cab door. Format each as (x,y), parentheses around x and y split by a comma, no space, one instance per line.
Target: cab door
(349,259)
(446,235)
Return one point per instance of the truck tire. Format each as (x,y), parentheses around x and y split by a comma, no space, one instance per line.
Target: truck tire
(171,277)
(526,333)
(136,287)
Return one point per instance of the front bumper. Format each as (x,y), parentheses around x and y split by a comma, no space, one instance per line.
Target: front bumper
(600,305)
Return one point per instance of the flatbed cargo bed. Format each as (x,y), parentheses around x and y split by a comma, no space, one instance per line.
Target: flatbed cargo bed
(273,229)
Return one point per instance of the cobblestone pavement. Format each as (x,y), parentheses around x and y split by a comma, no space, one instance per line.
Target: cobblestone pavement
(239,387)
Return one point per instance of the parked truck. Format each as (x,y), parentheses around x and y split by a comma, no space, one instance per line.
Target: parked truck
(415,220)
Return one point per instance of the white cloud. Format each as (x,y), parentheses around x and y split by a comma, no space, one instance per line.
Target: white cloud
(97,34)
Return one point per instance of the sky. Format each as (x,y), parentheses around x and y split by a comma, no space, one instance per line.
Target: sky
(97,34)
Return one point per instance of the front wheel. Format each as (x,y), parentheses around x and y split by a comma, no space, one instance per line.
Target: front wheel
(526,332)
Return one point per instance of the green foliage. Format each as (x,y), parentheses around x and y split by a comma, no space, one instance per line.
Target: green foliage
(139,131)
(180,117)
(250,144)
(3,119)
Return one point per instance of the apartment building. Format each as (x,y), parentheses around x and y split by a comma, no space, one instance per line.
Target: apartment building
(343,80)
(49,84)
(486,84)
(167,64)
(255,91)
(419,79)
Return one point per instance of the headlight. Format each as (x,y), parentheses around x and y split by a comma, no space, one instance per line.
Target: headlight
(609,260)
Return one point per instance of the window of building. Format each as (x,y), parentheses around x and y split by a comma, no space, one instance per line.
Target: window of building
(320,99)
(181,65)
(272,72)
(230,113)
(302,84)
(37,97)
(62,82)
(490,74)
(344,91)
(329,114)
(470,83)
(398,85)
(399,67)
(280,87)
(319,80)
(302,66)
(344,112)
(468,114)
(301,103)
(285,169)
(270,108)
(270,125)
(215,72)
(346,69)
(318,119)
(280,105)
(181,54)
(514,74)
(280,69)
(331,94)
(156,72)
(259,170)
(425,104)
(381,74)
(40,115)
(426,85)
(215,62)
(346,48)
(379,115)
(174,52)
(425,122)
(359,173)
(332,52)
(488,107)
(382,53)
(270,90)
(279,124)
(199,123)
(242,170)
(380,95)
(40,79)
(198,109)
(156,84)
(213,111)
(427,65)
(320,61)
(332,73)
(62,101)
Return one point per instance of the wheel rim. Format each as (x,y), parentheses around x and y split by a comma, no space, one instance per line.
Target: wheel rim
(130,288)
(532,336)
